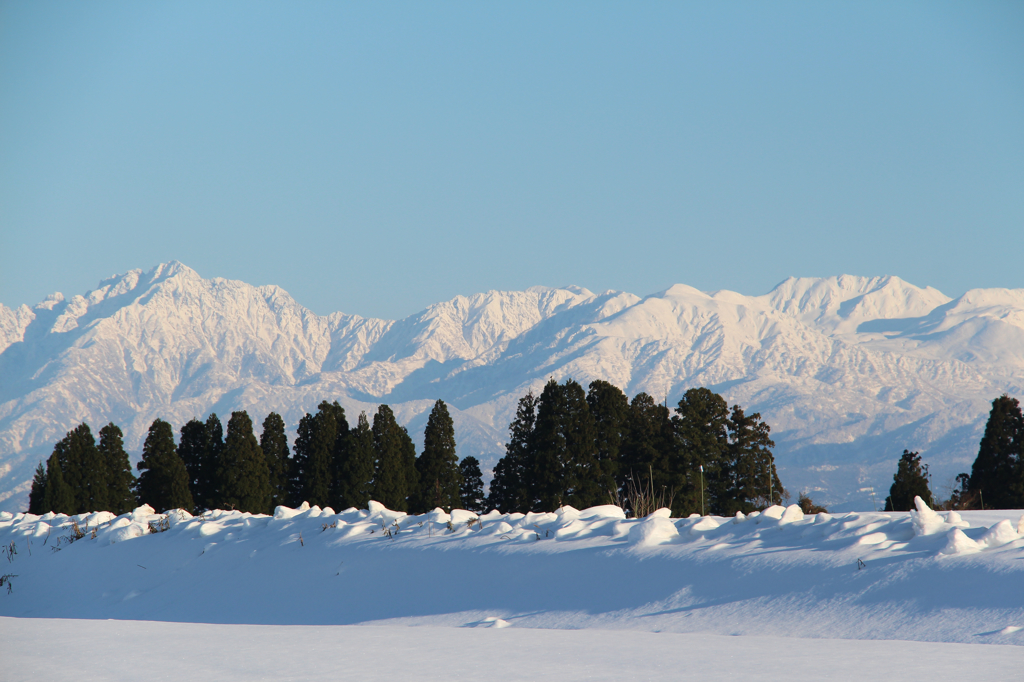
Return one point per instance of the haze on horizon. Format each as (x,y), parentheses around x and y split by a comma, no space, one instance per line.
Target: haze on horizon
(377,159)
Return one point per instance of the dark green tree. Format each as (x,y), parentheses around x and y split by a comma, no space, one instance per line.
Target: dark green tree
(390,445)
(438,465)
(37,495)
(701,423)
(512,487)
(244,476)
(316,451)
(93,482)
(610,410)
(909,481)
(192,449)
(163,481)
(355,479)
(563,446)
(748,471)
(471,491)
(121,493)
(207,485)
(274,444)
(998,472)
(649,465)
(58,496)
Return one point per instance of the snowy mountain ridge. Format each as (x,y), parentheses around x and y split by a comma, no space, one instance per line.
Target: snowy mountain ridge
(847,370)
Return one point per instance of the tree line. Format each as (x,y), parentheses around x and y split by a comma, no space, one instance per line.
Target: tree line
(585,448)
(996,480)
(330,464)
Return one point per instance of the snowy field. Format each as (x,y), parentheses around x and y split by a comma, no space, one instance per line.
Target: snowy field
(376,594)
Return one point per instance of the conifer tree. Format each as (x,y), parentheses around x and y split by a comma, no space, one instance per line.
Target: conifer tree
(998,471)
(748,466)
(471,491)
(163,481)
(316,450)
(563,441)
(93,481)
(909,481)
(121,493)
(192,449)
(274,443)
(58,496)
(648,461)
(244,476)
(355,481)
(610,409)
(37,495)
(412,476)
(390,484)
(207,485)
(512,486)
(701,434)
(438,465)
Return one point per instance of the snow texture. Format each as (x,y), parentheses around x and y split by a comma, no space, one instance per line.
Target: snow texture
(848,371)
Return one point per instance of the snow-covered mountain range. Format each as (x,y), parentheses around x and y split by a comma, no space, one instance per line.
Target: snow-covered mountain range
(848,371)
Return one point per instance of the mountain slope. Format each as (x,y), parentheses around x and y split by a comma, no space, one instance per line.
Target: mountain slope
(847,370)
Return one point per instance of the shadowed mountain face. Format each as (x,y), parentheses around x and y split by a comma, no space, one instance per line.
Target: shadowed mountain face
(848,371)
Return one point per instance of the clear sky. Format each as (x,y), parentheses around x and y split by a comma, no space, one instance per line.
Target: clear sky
(375,158)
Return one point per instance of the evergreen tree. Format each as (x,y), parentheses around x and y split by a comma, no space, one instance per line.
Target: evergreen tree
(390,481)
(121,493)
(274,443)
(471,491)
(355,481)
(316,449)
(748,466)
(192,449)
(998,471)
(412,476)
(163,481)
(58,496)
(93,480)
(244,476)
(512,486)
(37,495)
(701,421)
(207,485)
(610,409)
(648,462)
(438,465)
(563,444)
(909,481)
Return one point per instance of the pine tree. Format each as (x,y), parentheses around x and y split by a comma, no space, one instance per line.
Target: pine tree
(390,484)
(909,481)
(274,443)
(610,409)
(998,471)
(471,491)
(316,451)
(93,483)
(355,481)
(207,485)
(751,481)
(244,476)
(701,422)
(648,465)
(438,465)
(58,496)
(192,449)
(563,438)
(163,481)
(37,495)
(121,493)
(512,486)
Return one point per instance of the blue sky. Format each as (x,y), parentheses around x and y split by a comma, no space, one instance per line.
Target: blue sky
(378,157)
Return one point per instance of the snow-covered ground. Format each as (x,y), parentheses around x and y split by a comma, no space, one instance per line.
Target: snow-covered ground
(575,595)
